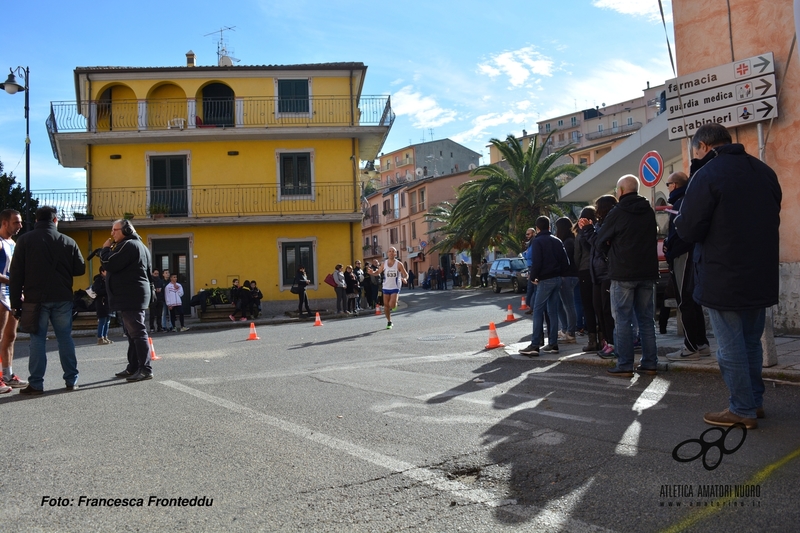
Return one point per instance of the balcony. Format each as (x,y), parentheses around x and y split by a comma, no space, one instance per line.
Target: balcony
(613,131)
(392,214)
(370,221)
(73,125)
(332,201)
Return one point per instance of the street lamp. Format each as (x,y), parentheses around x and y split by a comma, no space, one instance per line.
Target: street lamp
(12,87)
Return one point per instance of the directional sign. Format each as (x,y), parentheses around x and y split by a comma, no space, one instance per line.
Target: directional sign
(730,117)
(651,169)
(735,93)
(744,69)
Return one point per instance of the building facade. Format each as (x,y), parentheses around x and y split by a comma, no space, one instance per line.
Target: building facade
(227,171)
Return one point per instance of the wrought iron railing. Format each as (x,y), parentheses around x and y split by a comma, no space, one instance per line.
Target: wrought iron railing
(246,112)
(199,201)
(613,131)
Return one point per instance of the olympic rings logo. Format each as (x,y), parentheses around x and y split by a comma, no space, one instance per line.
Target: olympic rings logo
(706,446)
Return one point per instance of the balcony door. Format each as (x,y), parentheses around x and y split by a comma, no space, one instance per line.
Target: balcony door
(168,186)
(218,106)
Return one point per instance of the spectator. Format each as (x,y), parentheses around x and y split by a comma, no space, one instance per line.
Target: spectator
(566,312)
(359,274)
(680,254)
(485,273)
(733,199)
(43,267)
(173,294)
(101,307)
(245,300)
(236,302)
(255,299)
(352,289)
(157,306)
(375,281)
(583,255)
(630,236)
(128,263)
(10,225)
(340,289)
(464,273)
(411,277)
(302,282)
(549,263)
(601,283)
(165,275)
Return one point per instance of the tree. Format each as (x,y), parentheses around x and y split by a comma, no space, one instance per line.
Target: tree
(12,196)
(512,194)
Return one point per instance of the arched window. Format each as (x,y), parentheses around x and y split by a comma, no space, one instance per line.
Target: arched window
(218,106)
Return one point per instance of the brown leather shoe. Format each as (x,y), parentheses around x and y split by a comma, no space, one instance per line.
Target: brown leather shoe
(726,419)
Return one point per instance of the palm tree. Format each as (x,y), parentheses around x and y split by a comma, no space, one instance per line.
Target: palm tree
(512,194)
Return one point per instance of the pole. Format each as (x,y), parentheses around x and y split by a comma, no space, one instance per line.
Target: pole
(770,352)
(28,226)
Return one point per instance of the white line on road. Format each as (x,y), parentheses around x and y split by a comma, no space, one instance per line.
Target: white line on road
(432,478)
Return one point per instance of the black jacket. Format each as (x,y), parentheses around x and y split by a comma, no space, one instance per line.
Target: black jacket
(44,263)
(675,246)
(128,268)
(629,235)
(732,212)
(569,247)
(598,258)
(548,257)
(101,296)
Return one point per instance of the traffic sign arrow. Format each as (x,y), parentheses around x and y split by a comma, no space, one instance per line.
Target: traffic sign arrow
(766,109)
(763,64)
(766,86)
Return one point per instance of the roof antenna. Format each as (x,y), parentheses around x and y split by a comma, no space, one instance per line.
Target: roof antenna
(223,58)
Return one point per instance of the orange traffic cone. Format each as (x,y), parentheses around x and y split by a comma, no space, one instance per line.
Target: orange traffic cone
(153,356)
(377,310)
(523,306)
(253,336)
(494,340)
(318,322)
(510,315)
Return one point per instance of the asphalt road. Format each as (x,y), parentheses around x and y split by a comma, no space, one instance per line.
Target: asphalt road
(352,427)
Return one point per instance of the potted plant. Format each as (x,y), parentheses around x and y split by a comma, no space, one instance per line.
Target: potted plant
(366,247)
(127,216)
(83,216)
(158,210)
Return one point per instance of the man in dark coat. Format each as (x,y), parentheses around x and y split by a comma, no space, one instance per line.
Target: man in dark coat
(549,262)
(128,263)
(630,236)
(731,212)
(681,265)
(44,263)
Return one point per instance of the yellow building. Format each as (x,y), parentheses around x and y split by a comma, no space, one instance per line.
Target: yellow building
(228,171)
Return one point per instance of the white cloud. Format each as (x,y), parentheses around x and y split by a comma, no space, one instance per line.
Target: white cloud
(486,125)
(398,81)
(424,111)
(637,8)
(518,65)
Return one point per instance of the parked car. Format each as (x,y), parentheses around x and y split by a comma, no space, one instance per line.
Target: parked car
(509,272)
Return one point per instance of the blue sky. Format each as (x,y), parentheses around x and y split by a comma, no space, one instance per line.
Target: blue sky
(466,70)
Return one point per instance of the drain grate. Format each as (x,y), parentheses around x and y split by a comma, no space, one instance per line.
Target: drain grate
(430,338)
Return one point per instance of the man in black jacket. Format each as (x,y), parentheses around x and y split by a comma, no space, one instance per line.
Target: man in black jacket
(731,212)
(128,263)
(45,261)
(548,263)
(681,264)
(630,236)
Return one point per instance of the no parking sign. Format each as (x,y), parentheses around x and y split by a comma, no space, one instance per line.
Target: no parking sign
(651,169)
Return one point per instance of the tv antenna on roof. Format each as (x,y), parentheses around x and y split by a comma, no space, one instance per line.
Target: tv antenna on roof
(223,58)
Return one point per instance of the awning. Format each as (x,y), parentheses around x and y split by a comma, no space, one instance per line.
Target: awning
(602,176)
(412,255)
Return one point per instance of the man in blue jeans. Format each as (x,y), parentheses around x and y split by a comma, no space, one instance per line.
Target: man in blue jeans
(731,211)
(44,263)
(548,263)
(629,236)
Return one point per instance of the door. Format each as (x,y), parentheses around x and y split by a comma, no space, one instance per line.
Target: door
(173,255)
(169,186)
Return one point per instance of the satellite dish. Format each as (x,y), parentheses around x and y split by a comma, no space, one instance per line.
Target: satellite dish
(225,61)
(418,171)
(472,166)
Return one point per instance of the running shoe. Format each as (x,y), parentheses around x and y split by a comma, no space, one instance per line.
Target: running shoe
(389,325)
(14,382)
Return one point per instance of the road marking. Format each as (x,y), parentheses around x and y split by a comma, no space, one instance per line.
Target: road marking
(628,445)
(553,512)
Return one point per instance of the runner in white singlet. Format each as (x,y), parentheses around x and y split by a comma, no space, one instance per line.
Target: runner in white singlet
(395,277)
(10,225)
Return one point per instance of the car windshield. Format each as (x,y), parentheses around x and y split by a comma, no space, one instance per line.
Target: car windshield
(518,264)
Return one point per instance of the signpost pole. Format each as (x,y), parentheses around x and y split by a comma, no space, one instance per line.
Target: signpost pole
(770,352)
